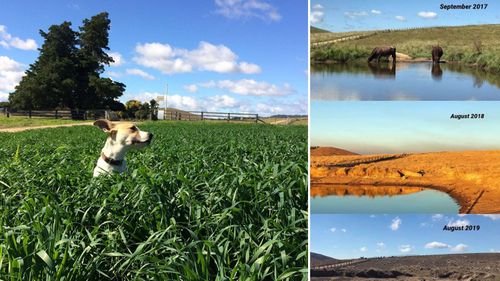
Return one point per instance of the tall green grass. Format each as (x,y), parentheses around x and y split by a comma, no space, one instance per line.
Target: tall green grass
(203,202)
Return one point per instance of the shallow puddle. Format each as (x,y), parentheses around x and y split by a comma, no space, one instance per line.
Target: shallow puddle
(379,199)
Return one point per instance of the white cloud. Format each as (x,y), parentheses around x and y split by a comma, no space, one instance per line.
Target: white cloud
(396,222)
(192,88)
(224,101)
(459,248)
(400,18)
(380,244)
(16,42)
(376,12)
(493,217)
(117,57)
(112,74)
(436,245)
(11,73)
(353,15)
(207,57)
(245,9)
(427,15)
(437,217)
(343,230)
(333,229)
(317,16)
(250,87)
(405,248)
(458,223)
(363,249)
(141,73)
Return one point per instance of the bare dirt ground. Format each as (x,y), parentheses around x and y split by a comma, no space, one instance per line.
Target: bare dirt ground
(20,129)
(470,267)
(470,177)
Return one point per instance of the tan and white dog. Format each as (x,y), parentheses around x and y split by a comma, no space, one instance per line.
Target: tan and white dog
(121,138)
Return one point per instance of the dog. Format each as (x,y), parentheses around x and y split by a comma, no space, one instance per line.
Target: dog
(121,138)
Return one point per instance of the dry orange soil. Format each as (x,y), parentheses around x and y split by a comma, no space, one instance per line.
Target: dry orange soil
(472,178)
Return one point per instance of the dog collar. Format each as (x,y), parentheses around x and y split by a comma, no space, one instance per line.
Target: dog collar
(111,161)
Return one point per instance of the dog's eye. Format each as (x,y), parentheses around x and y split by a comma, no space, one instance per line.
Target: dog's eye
(133,129)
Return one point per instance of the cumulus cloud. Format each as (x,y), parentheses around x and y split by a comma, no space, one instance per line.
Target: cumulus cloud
(192,88)
(437,217)
(436,245)
(405,248)
(117,57)
(493,217)
(458,223)
(246,9)
(439,245)
(207,57)
(7,41)
(353,15)
(376,12)
(400,18)
(11,73)
(317,14)
(427,15)
(249,87)
(396,222)
(333,229)
(141,73)
(343,230)
(363,249)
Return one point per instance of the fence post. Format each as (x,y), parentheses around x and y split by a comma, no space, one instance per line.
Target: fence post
(56,114)
(228,117)
(8,113)
(256,118)
(29,113)
(202,116)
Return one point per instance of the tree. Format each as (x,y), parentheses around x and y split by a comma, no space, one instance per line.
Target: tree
(66,76)
(154,109)
(131,107)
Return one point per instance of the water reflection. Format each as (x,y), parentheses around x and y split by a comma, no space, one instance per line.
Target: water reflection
(414,81)
(343,199)
(436,72)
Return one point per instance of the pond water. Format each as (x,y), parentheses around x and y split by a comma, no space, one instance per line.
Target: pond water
(371,199)
(403,81)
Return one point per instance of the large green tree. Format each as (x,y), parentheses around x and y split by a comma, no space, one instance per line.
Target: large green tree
(67,71)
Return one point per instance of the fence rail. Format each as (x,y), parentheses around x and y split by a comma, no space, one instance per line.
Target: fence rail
(60,114)
(210,115)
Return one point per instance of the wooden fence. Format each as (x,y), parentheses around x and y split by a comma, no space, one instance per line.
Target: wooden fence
(60,114)
(208,115)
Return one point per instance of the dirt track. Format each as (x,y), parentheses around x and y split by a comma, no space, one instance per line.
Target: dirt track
(469,176)
(20,129)
(470,267)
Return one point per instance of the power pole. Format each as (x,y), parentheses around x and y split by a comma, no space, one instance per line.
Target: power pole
(165,114)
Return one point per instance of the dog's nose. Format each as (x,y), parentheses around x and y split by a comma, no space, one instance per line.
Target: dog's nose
(150,136)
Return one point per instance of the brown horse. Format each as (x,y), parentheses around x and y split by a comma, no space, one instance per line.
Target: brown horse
(383,52)
(437,53)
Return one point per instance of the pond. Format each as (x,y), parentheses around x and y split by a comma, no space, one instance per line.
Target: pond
(403,81)
(342,199)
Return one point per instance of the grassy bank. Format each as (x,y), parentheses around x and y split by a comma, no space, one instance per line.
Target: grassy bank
(204,201)
(476,45)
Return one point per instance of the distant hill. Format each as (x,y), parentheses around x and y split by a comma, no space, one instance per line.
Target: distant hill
(327,151)
(317,30)
(287,116)
(319,259)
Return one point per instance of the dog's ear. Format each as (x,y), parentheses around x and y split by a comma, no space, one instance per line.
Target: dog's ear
(104,125)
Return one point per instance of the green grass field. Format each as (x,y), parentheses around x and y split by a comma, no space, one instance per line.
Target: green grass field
(205,201)
(474,44)
(20,121)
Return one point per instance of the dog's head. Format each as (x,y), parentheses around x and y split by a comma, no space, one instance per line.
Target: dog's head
(124,134)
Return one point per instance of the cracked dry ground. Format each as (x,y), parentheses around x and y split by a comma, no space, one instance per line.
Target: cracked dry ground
(470,177)
(471,267)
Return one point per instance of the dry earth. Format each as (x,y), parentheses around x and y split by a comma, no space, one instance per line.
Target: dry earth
(470,177)
(471,267)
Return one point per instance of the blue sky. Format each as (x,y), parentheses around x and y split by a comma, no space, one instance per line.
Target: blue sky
(354,236)
(404,126)
(244,55)
(356,15)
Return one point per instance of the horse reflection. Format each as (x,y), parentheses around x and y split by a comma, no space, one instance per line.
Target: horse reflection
(383,70)
(436,72)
